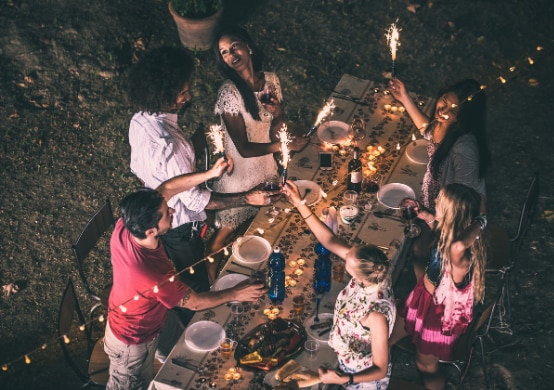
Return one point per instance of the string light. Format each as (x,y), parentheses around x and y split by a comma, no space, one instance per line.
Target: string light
(123,308)
(66,339)
(4,367)
(82,328)
(101,318)
(211,259)
(172,279)
(27,359)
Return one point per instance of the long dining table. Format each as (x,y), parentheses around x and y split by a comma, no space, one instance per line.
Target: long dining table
(401,160)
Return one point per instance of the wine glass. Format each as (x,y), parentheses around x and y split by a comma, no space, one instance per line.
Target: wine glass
(408,212)
(358,130)
(272,184)
(370,186)
(267,93)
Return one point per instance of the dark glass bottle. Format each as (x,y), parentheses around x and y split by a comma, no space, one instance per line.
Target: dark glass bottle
(354,178)
(322,270)
(276,276)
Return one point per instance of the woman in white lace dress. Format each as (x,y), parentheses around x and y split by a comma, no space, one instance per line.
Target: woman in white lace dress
(250,126)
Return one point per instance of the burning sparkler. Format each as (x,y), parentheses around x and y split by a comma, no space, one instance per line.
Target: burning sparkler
(393,34)
(324,113)
(283,136)
(216,135)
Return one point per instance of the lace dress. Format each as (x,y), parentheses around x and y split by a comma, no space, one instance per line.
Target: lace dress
(350,340)
(248,172)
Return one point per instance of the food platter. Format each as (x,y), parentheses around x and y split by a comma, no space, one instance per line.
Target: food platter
(270,344)
(251,249)
(334,132)
(391,194)
(416,151)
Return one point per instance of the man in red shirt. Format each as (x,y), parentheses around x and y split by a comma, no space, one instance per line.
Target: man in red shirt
(144,287)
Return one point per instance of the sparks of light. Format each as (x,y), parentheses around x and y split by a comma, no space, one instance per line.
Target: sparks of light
(393,34)
(283,136)
(216,136)
(325,111)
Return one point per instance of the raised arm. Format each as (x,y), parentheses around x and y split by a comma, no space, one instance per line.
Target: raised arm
(323,234)
(184,182)
(400,93)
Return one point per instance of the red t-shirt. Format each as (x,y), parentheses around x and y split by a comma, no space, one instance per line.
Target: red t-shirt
(136,270)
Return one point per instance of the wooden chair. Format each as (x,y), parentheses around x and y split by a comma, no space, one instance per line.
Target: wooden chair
(84,354)
(101,222)
(465,346)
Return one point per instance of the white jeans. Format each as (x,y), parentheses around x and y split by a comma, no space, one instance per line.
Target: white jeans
(131,366)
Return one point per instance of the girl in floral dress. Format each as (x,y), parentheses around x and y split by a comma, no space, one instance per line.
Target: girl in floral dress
(364,311)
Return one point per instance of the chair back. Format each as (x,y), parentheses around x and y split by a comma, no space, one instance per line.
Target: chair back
(101,222)
(85,356)
(71,316)
(526,216)
(498,246)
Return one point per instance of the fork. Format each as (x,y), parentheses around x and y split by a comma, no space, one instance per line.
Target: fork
(316,318)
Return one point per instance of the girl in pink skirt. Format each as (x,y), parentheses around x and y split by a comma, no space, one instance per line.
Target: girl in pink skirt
(440,307)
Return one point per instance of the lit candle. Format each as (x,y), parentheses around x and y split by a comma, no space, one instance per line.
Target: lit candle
(387,107)
(293,264)
(292,282)
(381,149)
(228,376)
(413,137)
(401,109)
(398,146)
(298,272)
(394,109)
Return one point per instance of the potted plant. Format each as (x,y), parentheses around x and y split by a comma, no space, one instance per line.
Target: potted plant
(196,21)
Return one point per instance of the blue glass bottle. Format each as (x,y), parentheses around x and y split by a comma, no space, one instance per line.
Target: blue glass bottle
(276,277)
(322,270)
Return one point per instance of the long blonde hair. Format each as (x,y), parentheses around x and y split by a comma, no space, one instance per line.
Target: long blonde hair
(459,205)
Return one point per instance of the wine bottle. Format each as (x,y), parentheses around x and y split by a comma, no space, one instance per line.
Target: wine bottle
(354,178)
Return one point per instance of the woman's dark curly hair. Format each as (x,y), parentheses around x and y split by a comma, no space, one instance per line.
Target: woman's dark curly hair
(471,119)
(157,79)
(241,34)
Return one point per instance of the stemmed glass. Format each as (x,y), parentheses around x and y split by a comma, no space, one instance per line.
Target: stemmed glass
(272,184)
(370,185)
(408,209)
(358,130)
(267,93)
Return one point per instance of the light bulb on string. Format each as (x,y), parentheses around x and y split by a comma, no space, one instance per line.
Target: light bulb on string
(501,79)
(136,297)
(210,259)
(123,308)
(191,271)
(172,278)
(66,339)
(82,327)
(530,60)
(226,251)
(101,318)
(27,359)
(4,367)
(44,346)
(156,289)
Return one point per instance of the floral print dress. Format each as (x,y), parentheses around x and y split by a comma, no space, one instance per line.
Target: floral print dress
(350,340)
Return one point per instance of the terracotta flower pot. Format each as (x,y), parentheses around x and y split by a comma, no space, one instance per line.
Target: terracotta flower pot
(196,34)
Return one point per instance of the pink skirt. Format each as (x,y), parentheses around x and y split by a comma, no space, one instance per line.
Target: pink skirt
(423,323)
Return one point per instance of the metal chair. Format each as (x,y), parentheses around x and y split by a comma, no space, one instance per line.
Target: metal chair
(101,222)
(505,256)
(465,346)
(90,362)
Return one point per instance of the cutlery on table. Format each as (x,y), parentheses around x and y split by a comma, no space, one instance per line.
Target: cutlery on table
(324,331)
(316,318)
(240,265)
(184,364)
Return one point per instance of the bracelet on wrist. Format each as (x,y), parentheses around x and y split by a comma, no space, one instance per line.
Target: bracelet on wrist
(308,216)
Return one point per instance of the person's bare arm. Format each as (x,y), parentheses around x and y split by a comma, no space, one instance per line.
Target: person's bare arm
(184,182)
(206,300)
(237,130)
(400,93)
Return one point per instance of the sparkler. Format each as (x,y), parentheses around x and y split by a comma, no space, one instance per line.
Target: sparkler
(393,34)
(216,135)
(283,136)
(324,113)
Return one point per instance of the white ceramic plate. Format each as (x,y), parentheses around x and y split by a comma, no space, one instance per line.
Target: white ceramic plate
(417,151)
(228,281)
(334,132)
(204,335)
(314,333)
(391,194)
(251,249)
(314,194)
